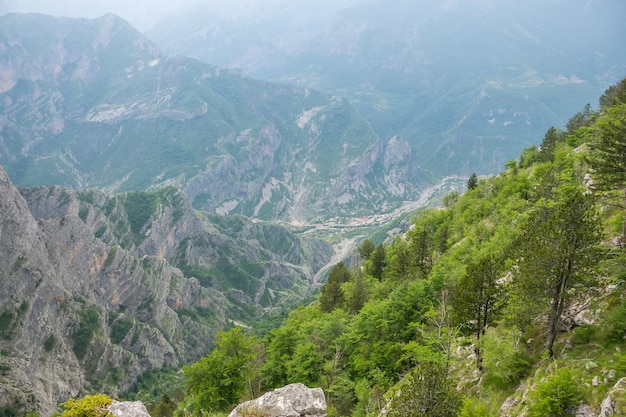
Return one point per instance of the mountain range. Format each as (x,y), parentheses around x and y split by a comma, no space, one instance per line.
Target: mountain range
(466,83)
(93,103)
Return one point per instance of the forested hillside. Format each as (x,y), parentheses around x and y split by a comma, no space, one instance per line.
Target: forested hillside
(508,300)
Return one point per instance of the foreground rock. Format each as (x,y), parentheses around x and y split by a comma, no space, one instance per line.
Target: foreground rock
(295,400)
(128,409)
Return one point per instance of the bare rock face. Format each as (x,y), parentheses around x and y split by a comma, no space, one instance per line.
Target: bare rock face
(81,315)
(584,411)
(609,406)
(89,302)
(128,409)
(295,400)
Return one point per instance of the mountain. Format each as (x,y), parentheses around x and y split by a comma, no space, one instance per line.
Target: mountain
(467,83)
(96,289)
(93,103)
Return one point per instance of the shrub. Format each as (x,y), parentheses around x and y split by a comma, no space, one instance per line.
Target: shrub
(120,329)
(616,321)
(505,359)
(473,407)
(88,406)
(556,396)
(9,411)
(48,344)
(426,391)
(6,322)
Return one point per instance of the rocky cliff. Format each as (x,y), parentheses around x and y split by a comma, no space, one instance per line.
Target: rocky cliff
(90,299)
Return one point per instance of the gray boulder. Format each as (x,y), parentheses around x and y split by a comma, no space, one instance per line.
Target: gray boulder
(128,409)
(295,400)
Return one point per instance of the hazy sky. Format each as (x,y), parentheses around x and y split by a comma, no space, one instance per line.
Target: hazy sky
(143,14)
(140,13)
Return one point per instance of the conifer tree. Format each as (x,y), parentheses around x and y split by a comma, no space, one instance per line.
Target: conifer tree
(557,257)
(378,262)
(472,182)
(608,145)
(475,299)
(366,249)
(332,295)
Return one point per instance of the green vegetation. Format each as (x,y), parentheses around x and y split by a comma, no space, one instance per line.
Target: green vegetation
(120,329)
(83,212)
(555,396)
(448,319)
(218,380)
(139,206)
(7,319)
(111,256)
(88,406)
(89,325)
(49,343)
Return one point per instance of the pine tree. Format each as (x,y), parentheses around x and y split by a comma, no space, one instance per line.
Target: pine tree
(366,249)
(557,257)
(476,299)
(550,140)
(472,182)
(608,146)
(378,262)
(332,295)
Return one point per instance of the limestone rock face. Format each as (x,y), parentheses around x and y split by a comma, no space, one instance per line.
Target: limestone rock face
(609,407)
(93,294)
(295,400)
(128,409)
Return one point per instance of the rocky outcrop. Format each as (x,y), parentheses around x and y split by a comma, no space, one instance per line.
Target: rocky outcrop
(79,314)
(128,409)
(247,261)
(295,400)
(609,405)
(89,298)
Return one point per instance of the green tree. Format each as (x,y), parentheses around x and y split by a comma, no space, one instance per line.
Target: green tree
(88,406)
(556,396)
(615,94)
(472,182)
(165,408)
(421,246)
(475,298)
(366,249)
(450,198)
(608,149)
(441,238)
(305,364)
(218,380)
(358,296)
(580,119)
(426,391)
(557,256)
(378,262)
(332,295)
(548,145)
